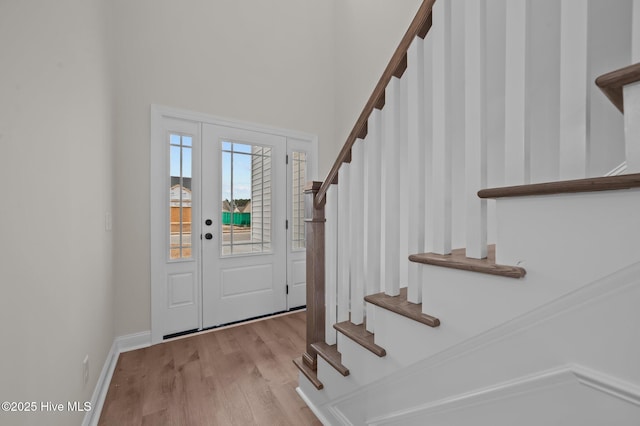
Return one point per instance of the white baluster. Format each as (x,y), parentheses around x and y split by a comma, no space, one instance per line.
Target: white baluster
(635,32)
(427,129)
(357,232)
(574,89)
(475,127)
(517,164)
(631,93)
(405,202)
(415,164)
(371,207)
(331,263)
(441,161)
(391,195)
(344,243)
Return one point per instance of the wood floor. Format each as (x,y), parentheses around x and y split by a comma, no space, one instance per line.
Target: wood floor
(242,375)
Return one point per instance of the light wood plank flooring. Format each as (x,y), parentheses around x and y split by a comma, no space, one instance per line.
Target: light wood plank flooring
(240,375)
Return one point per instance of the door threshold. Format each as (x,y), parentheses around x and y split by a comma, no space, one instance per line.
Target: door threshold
(189,333)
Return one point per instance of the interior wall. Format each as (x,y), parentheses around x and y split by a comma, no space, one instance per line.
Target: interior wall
(367,33)
(264,62)
(57,172)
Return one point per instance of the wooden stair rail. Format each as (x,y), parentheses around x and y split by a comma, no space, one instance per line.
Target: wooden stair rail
(315,197)
(612,83)
(419,28)
(607,183)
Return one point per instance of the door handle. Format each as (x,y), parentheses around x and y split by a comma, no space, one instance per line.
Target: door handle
(208,236)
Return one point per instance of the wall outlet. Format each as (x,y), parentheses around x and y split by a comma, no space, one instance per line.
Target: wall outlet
(85,369)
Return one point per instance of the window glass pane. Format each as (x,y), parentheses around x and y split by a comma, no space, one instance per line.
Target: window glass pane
(186,162)
(174,162)
(174,139)
(179,197)
(298,174)
(246,199)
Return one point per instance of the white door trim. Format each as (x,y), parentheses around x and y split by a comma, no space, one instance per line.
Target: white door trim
(158,172)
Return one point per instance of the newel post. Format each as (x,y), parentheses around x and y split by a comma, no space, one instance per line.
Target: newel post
(314,226)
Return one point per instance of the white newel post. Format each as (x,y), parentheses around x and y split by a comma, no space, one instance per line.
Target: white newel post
(357,232)
(416,165)
(475,127)
(442,152)
(631,93)
(516,156)
(390,195)
(344,243)
(331,263)
(372,189)
(574,92)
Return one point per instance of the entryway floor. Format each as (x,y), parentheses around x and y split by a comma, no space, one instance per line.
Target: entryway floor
(236,375)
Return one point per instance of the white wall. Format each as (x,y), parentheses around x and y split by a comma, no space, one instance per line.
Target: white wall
(264,62)
(367,32)
(56,167)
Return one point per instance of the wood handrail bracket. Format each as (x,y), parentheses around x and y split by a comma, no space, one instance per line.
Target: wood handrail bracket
(612,83)
(419,28)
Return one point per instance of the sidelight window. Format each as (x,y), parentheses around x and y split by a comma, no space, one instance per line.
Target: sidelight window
(180,161)
(299,167)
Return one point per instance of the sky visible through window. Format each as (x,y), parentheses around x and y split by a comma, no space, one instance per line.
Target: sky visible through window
(241,170)
(241,167)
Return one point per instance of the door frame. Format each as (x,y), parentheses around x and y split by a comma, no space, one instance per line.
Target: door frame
(158,174)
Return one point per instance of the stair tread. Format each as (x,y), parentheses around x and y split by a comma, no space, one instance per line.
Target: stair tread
(458,260)
(309,373)
(612,83)
(360,335)
(330,354)
(400,305)
(607,183)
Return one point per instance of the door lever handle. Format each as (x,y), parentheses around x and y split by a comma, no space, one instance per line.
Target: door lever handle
(208,236)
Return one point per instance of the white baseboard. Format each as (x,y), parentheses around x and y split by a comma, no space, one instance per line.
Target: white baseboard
(134,341)
(120,344)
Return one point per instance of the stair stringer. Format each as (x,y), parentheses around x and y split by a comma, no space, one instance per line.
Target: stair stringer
(563,337)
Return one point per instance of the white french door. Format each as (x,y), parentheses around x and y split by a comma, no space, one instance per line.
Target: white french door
(244,263)
(227,220)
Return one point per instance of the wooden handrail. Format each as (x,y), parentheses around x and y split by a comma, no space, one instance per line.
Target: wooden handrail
(607,183)
(612,83)
(419,28)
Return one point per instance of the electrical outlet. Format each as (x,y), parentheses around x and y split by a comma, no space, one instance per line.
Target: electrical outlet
(85,369)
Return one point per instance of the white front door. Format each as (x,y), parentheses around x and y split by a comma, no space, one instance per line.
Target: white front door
(227,221)
(244,203)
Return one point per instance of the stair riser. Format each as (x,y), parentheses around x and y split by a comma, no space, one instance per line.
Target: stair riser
(573,238)
(408,341)
(364,366)
(335,384)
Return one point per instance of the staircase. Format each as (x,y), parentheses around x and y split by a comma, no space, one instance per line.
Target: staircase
(469,258)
